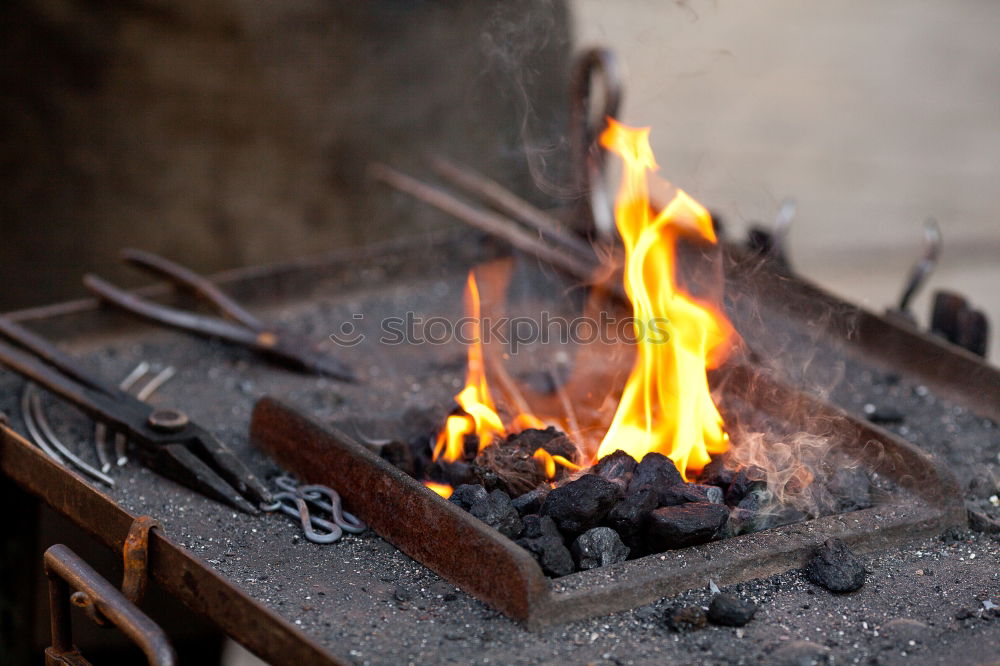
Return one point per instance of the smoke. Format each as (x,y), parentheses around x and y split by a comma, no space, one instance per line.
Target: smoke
(521,41)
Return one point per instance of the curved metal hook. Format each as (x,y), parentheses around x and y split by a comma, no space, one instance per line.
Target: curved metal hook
(587,121)
(343,519)
(292,505)
(925,265)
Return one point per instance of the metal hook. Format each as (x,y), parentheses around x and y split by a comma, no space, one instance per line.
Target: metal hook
(345,520)
(924,266)
(586,125)
(293,505)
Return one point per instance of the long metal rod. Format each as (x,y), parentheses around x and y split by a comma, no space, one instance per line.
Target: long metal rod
(121,442)
(510,204)
(491,223)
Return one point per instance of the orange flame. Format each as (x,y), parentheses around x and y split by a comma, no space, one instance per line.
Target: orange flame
(666,405)
(549,462)
(442,489)
(480,416)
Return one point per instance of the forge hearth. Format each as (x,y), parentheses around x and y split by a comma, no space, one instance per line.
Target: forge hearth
(293,601)
(488,564)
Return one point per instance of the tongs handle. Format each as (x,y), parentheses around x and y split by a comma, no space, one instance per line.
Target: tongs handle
(52,355)
(188,279)
(97,403)
(163,314)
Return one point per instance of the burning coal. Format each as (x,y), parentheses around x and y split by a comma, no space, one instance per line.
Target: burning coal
(657,463)
(666,405)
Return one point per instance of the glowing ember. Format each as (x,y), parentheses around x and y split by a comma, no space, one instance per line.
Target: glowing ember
(666,405)
(480,416)
(442,489)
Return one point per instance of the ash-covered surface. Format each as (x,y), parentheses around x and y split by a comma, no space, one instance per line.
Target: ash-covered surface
(928,602)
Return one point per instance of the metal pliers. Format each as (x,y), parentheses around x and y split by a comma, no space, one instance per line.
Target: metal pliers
(242,329)
(165,440)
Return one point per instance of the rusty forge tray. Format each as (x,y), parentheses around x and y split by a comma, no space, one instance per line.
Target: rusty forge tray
(235,569)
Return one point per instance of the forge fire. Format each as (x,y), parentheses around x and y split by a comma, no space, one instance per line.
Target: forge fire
(653,468)
(499,332)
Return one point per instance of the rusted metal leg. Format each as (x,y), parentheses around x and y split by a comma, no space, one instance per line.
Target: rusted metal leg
(18,558)
(102,602)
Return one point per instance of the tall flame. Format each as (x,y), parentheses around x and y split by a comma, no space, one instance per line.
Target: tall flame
(666,405)
(480,416)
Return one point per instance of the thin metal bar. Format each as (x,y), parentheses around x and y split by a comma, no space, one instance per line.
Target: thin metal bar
(156,382)
(188,279)
(101,446)
(121,453)
(492,223)
(134,376)
(510,204)
(35,405)
(32,427)
(213,327)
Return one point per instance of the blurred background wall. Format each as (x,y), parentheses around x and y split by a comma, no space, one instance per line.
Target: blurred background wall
(872,115)
(236,131)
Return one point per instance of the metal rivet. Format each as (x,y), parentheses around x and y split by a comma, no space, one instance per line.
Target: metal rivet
(168,420)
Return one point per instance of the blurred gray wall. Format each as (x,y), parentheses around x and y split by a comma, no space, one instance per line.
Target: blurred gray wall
(237,132)
(873,115)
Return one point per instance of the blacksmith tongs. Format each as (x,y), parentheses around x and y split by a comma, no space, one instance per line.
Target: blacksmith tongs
(243,328)
(166,441)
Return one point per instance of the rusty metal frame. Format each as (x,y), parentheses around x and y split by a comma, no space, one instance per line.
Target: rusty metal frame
(945,368)
(494,569)
(103,603)
(883,342)
(180,573)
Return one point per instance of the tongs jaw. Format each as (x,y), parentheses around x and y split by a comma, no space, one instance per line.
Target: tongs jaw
(165,439)
(196,459)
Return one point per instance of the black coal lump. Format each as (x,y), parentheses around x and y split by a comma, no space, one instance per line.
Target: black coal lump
(460,473)
(617,468)
(542,539)
(729,610)
(682,493)
(497,511)
(753,513)
(745,480)
(467,495)
(684,525)
(685,618)
(835,567)
(656,471)
(539,526)
(531,501)
(598,547)
(629,516)
(550,439)
(580,504)
(717,473)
